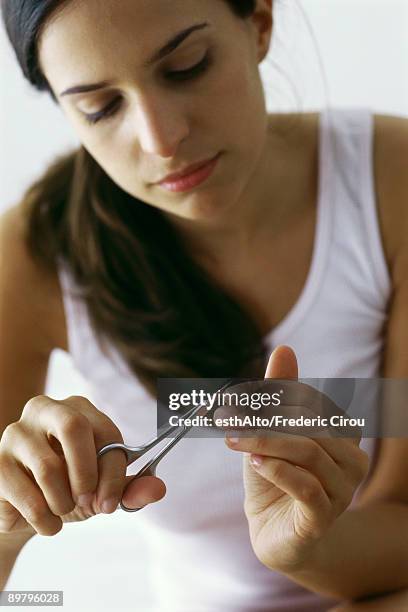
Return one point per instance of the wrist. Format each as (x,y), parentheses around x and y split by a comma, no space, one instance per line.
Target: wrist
(297,559)
(10,548)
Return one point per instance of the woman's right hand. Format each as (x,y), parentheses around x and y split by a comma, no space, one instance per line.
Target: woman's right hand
(50,473)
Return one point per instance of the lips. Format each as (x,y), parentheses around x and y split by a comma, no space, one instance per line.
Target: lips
(170,178)
(193,179)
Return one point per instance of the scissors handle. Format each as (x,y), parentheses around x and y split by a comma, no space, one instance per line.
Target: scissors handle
(135,452)
(132,452)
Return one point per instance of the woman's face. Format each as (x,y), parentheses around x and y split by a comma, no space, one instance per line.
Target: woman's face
(144,110)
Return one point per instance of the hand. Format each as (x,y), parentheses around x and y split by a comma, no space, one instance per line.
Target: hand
(50,473)
(295,486)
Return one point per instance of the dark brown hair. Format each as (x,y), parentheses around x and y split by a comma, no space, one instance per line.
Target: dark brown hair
(144,292)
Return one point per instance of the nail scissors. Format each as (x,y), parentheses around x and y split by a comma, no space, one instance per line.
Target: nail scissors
(133,453)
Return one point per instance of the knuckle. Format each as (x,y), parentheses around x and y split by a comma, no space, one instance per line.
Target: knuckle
(85,482)
(34,404)
(84,474)
(72,422)
(116,482)
(278,470)
(10,432)
(310,492)
(261,445)
(45,468)
(79,401)
(35,510)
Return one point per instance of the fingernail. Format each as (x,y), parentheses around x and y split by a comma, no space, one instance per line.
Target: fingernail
(109,505)
(85,499)
(256,460)
(232,441)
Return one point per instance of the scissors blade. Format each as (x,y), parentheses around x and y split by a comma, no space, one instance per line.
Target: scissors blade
(189,415)
(150,467)
(192,412)
(184,429)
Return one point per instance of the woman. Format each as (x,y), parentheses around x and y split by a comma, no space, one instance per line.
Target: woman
(188,214)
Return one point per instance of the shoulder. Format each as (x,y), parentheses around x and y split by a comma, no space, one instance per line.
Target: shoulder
(390,163)
(390,159)
(30,295)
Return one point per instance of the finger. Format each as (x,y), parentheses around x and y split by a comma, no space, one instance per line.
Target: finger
(302,452)
(247,420)
(112,472)
(314,505)
(142,491)
(27,498)
(74,433)
(48,469)
(339,466)
(282,364)
(352,460)
(111,467)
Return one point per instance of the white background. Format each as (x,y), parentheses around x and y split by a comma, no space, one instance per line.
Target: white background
(363,47)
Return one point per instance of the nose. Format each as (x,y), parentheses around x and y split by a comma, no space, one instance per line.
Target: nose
(161,126)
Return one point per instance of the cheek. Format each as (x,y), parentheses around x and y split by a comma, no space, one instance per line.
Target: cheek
(123,171)
(240,104)
(115,161)
(90,138)
(109,149)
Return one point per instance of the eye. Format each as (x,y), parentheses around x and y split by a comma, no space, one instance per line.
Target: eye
(106,112)
(190,73)
(175,75)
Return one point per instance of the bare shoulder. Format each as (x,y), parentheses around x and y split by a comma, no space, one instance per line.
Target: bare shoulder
(31,299)
(391,183)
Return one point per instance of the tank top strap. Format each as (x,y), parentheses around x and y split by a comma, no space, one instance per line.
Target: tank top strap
(353,152)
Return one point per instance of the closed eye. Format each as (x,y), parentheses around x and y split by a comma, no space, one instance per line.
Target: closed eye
(175,75)
(190,73)
(106,112)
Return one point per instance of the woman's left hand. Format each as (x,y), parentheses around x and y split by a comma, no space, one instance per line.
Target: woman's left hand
(295,486)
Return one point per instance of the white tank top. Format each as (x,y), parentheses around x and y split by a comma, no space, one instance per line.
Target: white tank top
(200,556)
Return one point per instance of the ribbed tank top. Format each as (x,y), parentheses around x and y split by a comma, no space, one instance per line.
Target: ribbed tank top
(200,556)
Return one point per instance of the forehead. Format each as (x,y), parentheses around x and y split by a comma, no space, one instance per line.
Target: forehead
(88,35)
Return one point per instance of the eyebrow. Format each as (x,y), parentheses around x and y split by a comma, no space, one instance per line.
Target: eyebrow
(170,46)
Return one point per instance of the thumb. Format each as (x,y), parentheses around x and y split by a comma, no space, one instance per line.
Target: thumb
(282,364)
(142,491)
(260,492)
